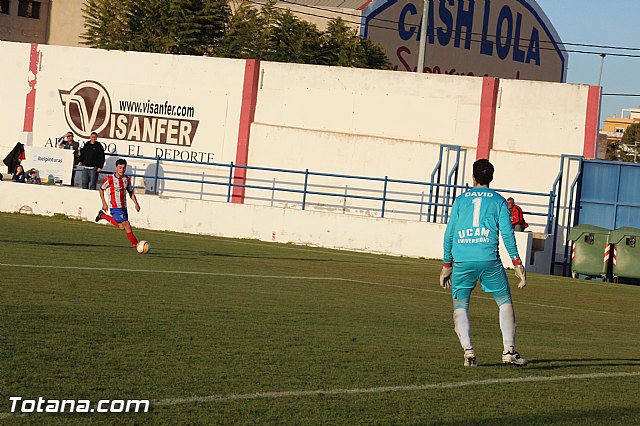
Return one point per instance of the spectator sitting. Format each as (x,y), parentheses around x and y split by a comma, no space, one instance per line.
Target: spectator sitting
(33,177)
(517,217)
(19,175)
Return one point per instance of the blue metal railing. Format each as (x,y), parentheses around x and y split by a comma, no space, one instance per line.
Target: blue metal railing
(306,189)
(557,189)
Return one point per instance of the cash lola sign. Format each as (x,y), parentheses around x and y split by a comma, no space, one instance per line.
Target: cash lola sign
(497,38)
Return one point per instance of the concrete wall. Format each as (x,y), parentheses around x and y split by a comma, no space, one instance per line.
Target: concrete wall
(333,120)
(313,228)
(23,29)
(13,90)
(66,23)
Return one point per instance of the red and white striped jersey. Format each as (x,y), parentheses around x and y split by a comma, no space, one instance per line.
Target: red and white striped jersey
(117,189)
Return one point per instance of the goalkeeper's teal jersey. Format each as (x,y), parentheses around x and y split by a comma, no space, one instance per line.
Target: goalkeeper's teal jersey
(472,232)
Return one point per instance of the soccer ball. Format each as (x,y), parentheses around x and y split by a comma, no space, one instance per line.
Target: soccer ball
(143,247)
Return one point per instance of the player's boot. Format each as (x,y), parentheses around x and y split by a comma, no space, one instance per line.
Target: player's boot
(100,213)
(469,357)
(513,357)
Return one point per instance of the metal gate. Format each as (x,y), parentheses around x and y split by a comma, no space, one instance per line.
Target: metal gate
(609,194)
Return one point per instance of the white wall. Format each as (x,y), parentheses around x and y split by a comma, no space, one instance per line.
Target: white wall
(13,91)
(313,228)
(325,119)
(411,107)
(540,118)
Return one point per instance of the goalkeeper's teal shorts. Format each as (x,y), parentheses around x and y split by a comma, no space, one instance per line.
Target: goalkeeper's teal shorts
(491,274)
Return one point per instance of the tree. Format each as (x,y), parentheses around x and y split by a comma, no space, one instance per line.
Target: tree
(343,47)
(199,25)
(106,24)
(150,27)
(208,27)
(614,151)
(631,138)
(193,27)
(240,39)
(294,40)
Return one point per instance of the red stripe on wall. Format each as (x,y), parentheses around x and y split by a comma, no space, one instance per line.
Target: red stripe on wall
(488,107)
(30,104)
(247,114)
(591,122)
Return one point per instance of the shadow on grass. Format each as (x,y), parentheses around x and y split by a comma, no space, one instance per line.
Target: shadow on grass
(618,416)
(182,253)
(554,364)
(54,243)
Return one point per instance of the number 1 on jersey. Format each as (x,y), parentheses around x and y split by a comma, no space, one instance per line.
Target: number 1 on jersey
(476,211)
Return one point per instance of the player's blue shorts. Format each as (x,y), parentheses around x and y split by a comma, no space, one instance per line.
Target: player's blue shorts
(491,274)
(120,215)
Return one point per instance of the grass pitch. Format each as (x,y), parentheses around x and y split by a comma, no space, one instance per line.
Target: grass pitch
(221,331)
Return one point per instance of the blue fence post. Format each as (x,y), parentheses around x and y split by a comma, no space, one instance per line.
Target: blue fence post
(550,213)
(384,195)
(304,190)
(155,178)
(230,182)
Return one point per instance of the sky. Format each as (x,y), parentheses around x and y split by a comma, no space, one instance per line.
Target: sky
(601,22)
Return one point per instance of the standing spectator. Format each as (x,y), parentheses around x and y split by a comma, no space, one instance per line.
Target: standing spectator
(15,157)
(69,143)
(92,158)
(19,175)
(117,186)
(471,254)
(517,217)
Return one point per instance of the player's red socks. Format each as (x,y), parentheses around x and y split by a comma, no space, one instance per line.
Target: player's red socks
(109,219)
(132,238)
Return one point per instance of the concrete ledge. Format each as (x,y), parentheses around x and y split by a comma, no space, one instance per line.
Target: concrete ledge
(312,228)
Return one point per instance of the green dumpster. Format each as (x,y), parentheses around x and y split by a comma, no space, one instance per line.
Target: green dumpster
(590,250)
(626,254)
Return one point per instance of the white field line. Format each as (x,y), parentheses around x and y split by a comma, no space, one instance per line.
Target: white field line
(286,277)
(373,390)
(387,389)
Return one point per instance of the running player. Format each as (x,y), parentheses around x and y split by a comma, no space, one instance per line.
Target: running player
(471,240)
(116,186)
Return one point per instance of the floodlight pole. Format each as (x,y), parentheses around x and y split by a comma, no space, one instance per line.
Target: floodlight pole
(423,37)
(602,55)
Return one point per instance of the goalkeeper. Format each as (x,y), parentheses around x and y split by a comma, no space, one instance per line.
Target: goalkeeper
(471,241)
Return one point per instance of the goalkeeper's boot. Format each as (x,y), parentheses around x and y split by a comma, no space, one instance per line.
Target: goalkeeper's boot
(469,357)
(513,357)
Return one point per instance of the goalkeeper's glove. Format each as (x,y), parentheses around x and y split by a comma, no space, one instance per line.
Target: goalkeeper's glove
(445,275)
(520,273)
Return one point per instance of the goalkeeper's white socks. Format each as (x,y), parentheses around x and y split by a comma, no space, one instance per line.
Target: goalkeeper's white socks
(461,322)
(507,326)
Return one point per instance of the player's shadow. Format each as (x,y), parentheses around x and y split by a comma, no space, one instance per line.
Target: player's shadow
(181,254)
(554,364)
(56,243)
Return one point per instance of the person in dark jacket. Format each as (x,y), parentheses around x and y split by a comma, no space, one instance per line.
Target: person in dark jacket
(69,143)
(19,175)
(15,157)
(92,158)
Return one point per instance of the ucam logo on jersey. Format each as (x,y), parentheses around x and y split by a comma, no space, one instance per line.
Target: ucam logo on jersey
(497,38)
